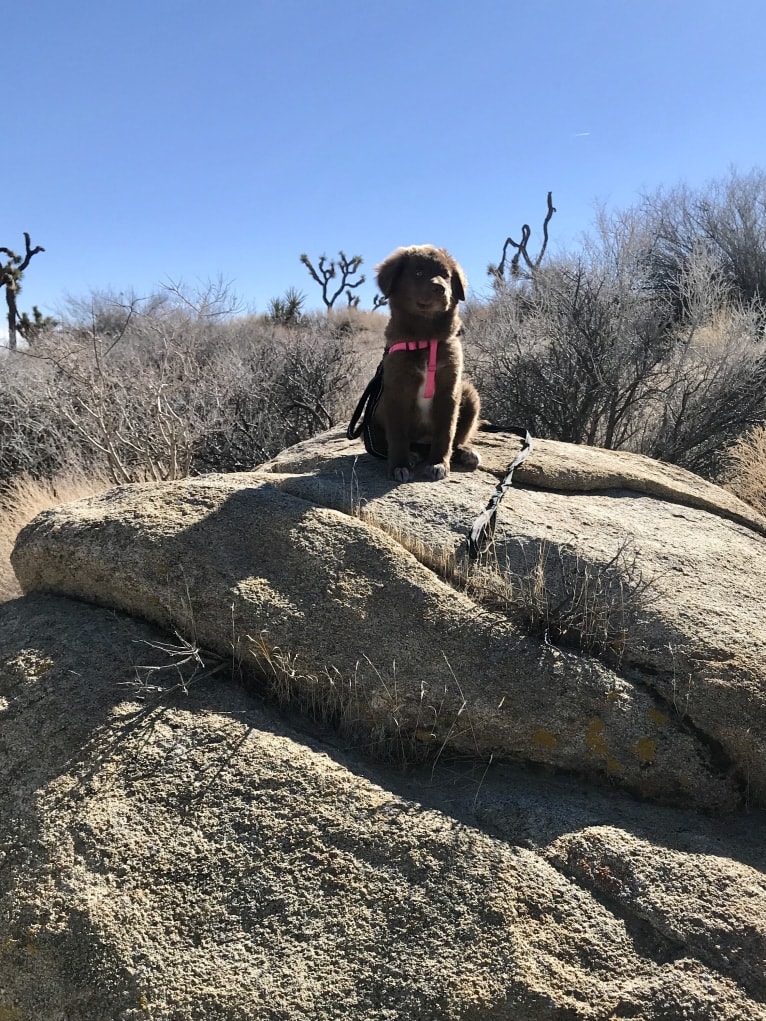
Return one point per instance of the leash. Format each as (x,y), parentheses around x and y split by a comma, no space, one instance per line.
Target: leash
(483,527)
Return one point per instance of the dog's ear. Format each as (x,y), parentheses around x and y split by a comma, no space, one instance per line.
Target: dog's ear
(459,283)
(390,270)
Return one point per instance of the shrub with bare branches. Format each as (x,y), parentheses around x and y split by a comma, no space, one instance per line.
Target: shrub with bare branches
(33,439)
(726,217)
(588,351)
(575,354)
(150,389)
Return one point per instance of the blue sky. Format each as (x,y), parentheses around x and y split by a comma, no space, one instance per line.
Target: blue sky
(176,139)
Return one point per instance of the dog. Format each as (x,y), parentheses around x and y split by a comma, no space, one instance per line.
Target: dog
(426,404)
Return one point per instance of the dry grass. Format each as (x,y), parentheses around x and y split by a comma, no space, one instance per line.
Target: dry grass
(595,608)
(557,595)
(565,599)
(746,468)
(23,501)
(325,697)
(385,720)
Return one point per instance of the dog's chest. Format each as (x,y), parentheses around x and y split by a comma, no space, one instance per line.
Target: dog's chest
(423,405)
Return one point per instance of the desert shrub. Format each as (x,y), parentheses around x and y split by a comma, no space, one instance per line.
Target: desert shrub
(590,351)
(576,355)
(156,390)
(34,441)
(717,392)
(727,217)
(275,388)
(745,468)
(124,395)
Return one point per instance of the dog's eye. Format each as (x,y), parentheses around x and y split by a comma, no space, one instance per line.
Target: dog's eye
(418,272)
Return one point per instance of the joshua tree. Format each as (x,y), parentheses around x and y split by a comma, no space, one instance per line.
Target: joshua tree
(10,279)
(31,328)
(530,264)
(327,271)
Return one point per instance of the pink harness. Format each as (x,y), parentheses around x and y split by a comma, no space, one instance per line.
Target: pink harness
(421,345)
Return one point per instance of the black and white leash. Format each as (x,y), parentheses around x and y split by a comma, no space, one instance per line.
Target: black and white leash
(483,527)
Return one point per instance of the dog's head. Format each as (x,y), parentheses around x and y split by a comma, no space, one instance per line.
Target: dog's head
(422,279)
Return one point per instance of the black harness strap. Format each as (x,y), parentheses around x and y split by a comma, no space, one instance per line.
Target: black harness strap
(483,527)
(361,420)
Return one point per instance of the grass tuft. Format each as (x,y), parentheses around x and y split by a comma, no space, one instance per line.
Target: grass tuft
(23,500)
(557,595)
(387,721)
(746,468)
(567,600)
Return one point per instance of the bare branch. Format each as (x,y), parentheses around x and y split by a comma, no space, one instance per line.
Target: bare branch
(498,272)
(328,271)
(212,299)
(29,252)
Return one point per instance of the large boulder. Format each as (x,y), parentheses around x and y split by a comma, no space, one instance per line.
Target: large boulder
(176,848)
(612,631)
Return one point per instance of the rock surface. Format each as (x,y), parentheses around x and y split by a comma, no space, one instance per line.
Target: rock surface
(580,837)
(187,856)
(355,597)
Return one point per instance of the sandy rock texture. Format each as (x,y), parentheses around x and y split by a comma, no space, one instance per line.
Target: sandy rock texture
(196,854)
(356,597)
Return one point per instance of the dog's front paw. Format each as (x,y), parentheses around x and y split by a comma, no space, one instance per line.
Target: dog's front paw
(401,474)
(466,457)
(435,472)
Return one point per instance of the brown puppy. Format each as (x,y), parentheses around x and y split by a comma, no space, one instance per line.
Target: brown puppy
(425,399)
